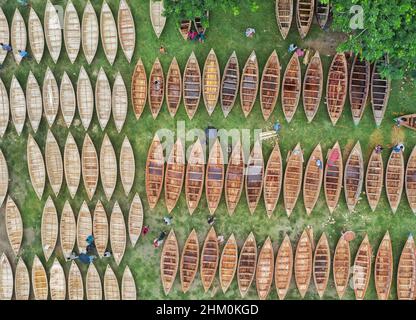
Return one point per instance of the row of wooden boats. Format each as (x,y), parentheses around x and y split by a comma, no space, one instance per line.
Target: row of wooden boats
(60,286)
(309,261)
(75,34)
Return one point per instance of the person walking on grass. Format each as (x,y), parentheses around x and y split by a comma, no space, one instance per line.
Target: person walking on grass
(24,54)
(167,220)
(6,47)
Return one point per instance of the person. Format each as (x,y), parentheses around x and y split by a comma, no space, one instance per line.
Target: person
(145,230)
(24,54)
(398,148)
(319,163)
(72,256)
(398,121)
(333,158)
(201,37)
(85,258)
(192,35)
(162,50)
(348,235)
(157,85)
(23,3)
(6,47)
(168,220)
(292,47)
(220,239)
(277,127)
(300,52)
(250,32)
(378,149)
(211,220)
(107,254)
(158,241)
(91,248)
(90,239)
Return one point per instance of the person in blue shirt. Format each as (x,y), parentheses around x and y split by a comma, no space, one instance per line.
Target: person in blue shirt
(23,3)
(6,47)
(24,54)
(319,164)
(85,258)
(398,148)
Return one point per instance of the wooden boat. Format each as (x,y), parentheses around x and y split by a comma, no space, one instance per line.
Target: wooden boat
(211,80)
(135,220)
(189,261)
(383,268)
(155,169)
(103,98)
(303,263)
(394,179)
(72,32)
(199,27)
(410,180)
(322,11)
(406,271)
(249,84)
(53,33)
(120,102)
(111,288)
(228,263)
(6,278)
(333,177)
(108,31)
(336,87)
(39,280)
(50,94)
(75,284)
(85,98)
(89,166)
(84,225)
(234,178)
(108,167)
(293,178)
(33,102)
(94,287)
(304,16)
(4,34)
(49,228)
(18,35)
(321,265)
(36,166)
(118,236)
(362,269)
(264,271)
(354,176)
(184,28)
(100,228)
(341,266)
(380,90)
(57,281)
(36,37)
(156,88)
(173,87)
(312,87)
(291,87)
(374,179)
(194,176)
(21,281)
(273,180)
(126,30)
(247,264)
(270,85)
(157,18)
(72,165)
(214,180)
(313,179)
(53,161)
(139,89)
(407,121)
(68,99)
(209,259)
(254,176)
(4,178)
(175,173)
(229,84)
(67,230)
(17,105)
(14,225)
(191,86)
(283,268)
(284,15)
(128,286)
(127,166)
(359,87)
(90,32)
(4,107)
(169,262)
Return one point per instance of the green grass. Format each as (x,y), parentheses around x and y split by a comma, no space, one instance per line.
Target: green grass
(226,33)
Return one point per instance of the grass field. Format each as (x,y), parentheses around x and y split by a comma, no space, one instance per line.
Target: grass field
(226,33)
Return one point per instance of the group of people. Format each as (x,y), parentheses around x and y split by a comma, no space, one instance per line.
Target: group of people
(196,36)
(90,253)
(8,47)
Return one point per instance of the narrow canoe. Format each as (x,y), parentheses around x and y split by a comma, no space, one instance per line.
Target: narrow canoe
(72,32)
(336,87)
(291,87)
(333,177)
(214,180)
(211,80)
(304,16)
(270,85)
(94,287)
(394,179)
(155,169)
(108,31)
(359,87)
(157,18)
(90,32)
(100,228)
(284,16)
(189,261)
(128,286)
(139,89)
(184,28)
(175,173)
(353,176)
(322,13)
(39,280)
(169,262)
(383,268)
(53,162)
(111,288)
(264,271)
(34,102)
(246,267)
(303,263)
(362,269)
(6,278)
(254,176)
(49,228)
(321,265)
(75,283)
(103,98)
(380,90)
(135,220)
(341,266)
(36,37)
(85,98)
(228,263)
(89,166)
(84,225)
(406,271)
(72,165)
(4,34)
(312,87)
(191,86)
(126,30)
(57,281)
(249,84)
(313,179)
(156,88)
(118,234)
(229,84)
(21,281)
(14,225)
(194,176)
(120,102)
(50,93)
(293,178)
(4,178)
(108,167)
(374,179)
(283,268)
(410,180)
(36,166)
(53,33)
(4,108)
(17,105)
(173,87)
(127,166)
(209,259)
(234,178)
(67,230)
(273,180)
(408,121)
(18,35)
(68,99)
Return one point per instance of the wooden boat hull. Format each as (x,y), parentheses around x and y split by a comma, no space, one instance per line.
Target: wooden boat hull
(394,179)
(383,268)
(249,84)
(291,88)
(304,16)
(127,166)
(189,261)
(406,271)
(6,278)
(247,263)
(49,228)
(362,269)
(126,30)
(321,265)
(175,173)
(173,87)
(68,99)
(85,98)
(155,170)
(139,89)
(410,181)
(17,105)
(53,33)
(303,263)
(214,180)
(230,84)
(72,165)
(118,234)
(21,281)
(72,32)
(209,259)
(194,176)
(4,109)
(283,268)
(192,86)
(108,167)
(94,287)
(90,166)
(380,91)
(312,87)
(234,178)
(341,266)
(67,230)
(157,18)
(103,99)
(4,34)
(90,32)
(293,179)
(254,177)
(270,85)
(228,263)
(111,287)
(333,177)
(128,286)
(156,88)
(39,280)
(264,271)
(135,221)
(84,225)
(36,36)
(57,281)
(169,262)
(53,162)
(374,179)
(313,179)
(100,229)
(211,82)
(4,178)
(353,176)
(119,102)
(50,94)
(36,166)
(336,87)
(18,35)
(284,16)
(273,180)
(359,88)
(322,11)
(75,284)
